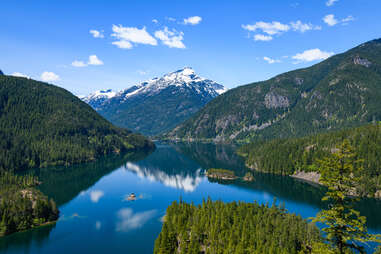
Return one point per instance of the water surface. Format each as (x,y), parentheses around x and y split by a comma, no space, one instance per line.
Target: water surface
(97,218)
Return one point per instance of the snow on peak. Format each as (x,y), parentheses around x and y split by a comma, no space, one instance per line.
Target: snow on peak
(100,94)
(185,78)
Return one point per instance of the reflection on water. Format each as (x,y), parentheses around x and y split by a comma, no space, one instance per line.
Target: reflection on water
(97,217)
(64,183)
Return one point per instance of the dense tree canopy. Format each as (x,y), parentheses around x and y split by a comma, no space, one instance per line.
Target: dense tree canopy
(21,206)
(43,125)
(222,228)
(286,156)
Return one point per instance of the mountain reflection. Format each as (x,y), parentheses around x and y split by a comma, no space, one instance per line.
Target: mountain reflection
(183,181)
(65,183)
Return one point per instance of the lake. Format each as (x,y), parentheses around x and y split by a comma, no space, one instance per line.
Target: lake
(96,216)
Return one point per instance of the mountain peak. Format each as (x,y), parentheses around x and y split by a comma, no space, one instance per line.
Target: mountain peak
(1,73)
(158,104)
(186,71)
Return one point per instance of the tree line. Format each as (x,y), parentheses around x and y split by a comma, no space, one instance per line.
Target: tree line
(287,156)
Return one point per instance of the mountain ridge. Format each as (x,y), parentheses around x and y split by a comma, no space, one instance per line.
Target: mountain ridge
(342,91)
(156,105)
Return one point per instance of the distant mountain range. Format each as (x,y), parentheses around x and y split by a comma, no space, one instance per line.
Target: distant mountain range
(157,105)
(342,91)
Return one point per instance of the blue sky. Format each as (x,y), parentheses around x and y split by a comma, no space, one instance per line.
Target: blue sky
(232,42)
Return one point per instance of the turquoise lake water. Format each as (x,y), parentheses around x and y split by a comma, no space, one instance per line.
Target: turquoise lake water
(96,216)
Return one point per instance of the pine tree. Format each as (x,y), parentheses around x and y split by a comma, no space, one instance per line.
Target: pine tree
(345,226)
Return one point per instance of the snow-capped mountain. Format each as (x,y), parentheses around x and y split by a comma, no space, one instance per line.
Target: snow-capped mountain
(98,98)
(158,104)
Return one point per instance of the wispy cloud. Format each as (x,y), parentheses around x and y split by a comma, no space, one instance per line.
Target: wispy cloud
(303,27)
(96,195)
(192,20)
(48,76)
(96,33)
(270,60)
(267,30)
(128,220)
(348,19)
(128,36)
(270,28)
(311,55)
(262,37)
(171,38)
(170,19)
(331,2)
(77,63)
(331,20)
(155,21)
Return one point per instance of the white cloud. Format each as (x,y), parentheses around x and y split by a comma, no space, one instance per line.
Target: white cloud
(303,27)
(270,60)
(192,20)
(49,76)
(97,34)
(77,63)
(19,74)
(155,21)
(127,36)
(122,44)
(312,55)
(262,37)
(96,195)
(348,19)
(276,28)
(127,220)
(172,39)
(170,19)
(94,60)
(330,20)
(330,2)
(270,28)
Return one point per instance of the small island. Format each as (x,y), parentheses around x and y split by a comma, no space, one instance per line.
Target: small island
(221,174)
(225,174)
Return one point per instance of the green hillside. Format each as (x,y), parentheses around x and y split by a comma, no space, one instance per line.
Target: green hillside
(22,206)
(41,125)
(287,156)
(342,91)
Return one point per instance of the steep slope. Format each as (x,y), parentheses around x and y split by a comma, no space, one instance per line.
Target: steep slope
(1,73)
(343,90)
(156,105)
(42,125)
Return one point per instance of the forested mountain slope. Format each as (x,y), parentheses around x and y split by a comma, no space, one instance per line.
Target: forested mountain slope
(292,155)
(342,91)
(41,124)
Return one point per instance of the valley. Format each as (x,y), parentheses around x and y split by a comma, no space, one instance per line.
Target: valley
(190,127)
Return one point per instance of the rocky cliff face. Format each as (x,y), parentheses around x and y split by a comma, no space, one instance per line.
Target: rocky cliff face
(342,91)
